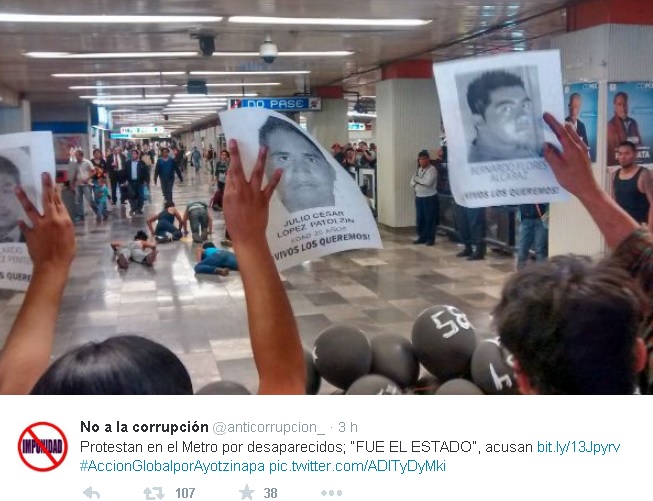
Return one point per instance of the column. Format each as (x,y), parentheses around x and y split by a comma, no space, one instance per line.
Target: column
(16,118)
(408,120)
(329,126)
(608,41)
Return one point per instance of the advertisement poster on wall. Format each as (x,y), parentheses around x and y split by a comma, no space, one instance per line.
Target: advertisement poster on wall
(582,100)
(66,145)
(630,108)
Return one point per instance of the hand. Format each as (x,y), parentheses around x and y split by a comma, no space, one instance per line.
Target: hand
(51,240)
(246,205)
(572,166)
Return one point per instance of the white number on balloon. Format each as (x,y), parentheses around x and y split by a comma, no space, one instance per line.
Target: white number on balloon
(498,381)
(454,325)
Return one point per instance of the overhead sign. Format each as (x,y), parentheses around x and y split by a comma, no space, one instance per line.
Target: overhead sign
(120,136)
(282,104)
(356,126)
(142,130)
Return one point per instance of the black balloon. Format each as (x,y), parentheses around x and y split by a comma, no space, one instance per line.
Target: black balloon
(444,341)
(426,385)
(373,384)
(492,369)
(342,354)
(459,387)
(223,388)
(313,379)
(394,358)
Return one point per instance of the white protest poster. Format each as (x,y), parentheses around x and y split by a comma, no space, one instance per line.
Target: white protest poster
(492,110)
(317,209)
(23,158)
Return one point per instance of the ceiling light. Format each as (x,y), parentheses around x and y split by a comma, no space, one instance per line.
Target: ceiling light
(142,102)
(106,55)
(136,74)
(328,21)
(212,96)
(72,19)
(294,72)
(126,86)
(196,106)
(327,53)
(366,115)
(258,84)
(126,96)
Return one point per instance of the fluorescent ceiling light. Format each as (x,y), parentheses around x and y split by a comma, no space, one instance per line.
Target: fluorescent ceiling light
(136,74)
(143,102)
(194,106)
(106,55)
(212,96)
(126,86)
(126,96)
(354,114)
(327,53)
(328,21)
(72,19)
(293,72)
(258,84)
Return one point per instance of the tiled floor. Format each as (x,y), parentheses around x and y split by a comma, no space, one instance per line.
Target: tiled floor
(203,318)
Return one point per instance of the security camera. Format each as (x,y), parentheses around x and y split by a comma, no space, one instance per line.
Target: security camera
(269,51)
(207,45)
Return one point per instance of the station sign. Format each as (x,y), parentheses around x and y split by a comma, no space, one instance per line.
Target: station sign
(153,130)
(282,104)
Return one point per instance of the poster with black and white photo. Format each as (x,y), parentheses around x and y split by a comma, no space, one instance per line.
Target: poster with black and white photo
(23,158)
(492,111)
(317,209)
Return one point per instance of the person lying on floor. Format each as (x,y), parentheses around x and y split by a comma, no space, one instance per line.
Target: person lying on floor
(140,250)
(214,261)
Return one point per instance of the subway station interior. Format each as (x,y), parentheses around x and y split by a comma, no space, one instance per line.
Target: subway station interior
(358,77)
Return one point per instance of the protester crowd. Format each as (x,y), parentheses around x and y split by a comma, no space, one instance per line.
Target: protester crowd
(573,327)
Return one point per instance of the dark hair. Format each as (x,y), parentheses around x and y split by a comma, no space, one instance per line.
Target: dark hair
(225,151)
(423,154)
(97,150)
(572,326)
(478,92)
(629,144)
(208,245)
(273,124)
(140,235)
(168,205)
(9,168)
(122,365)
(619,94)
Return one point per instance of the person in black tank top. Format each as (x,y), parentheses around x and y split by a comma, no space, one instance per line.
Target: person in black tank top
(633,185)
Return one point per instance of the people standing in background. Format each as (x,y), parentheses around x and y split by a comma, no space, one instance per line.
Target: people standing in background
(210,160)
(137,177)
(338,153)
(533,231)
(166,168)
(471,226)
(349,162)
(633,185)
(115,164)
(364,156)
(374,153)
(101,196)
(426,199)
(196,159)
(221,167)
(99,162)
(82,184)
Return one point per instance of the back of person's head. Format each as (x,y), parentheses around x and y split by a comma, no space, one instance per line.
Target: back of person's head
(573,327)
(122,365)
(140,235)
(168,205)
(208,245)
(479,91)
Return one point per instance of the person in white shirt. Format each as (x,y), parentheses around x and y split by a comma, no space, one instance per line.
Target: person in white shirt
(426,199)
(82,184)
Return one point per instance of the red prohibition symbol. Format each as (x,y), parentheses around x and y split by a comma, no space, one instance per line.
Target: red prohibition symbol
(28,456)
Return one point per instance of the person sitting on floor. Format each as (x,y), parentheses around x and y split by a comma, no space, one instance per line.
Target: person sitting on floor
(139,250)
(201,222)
(166,231)
(214,261)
